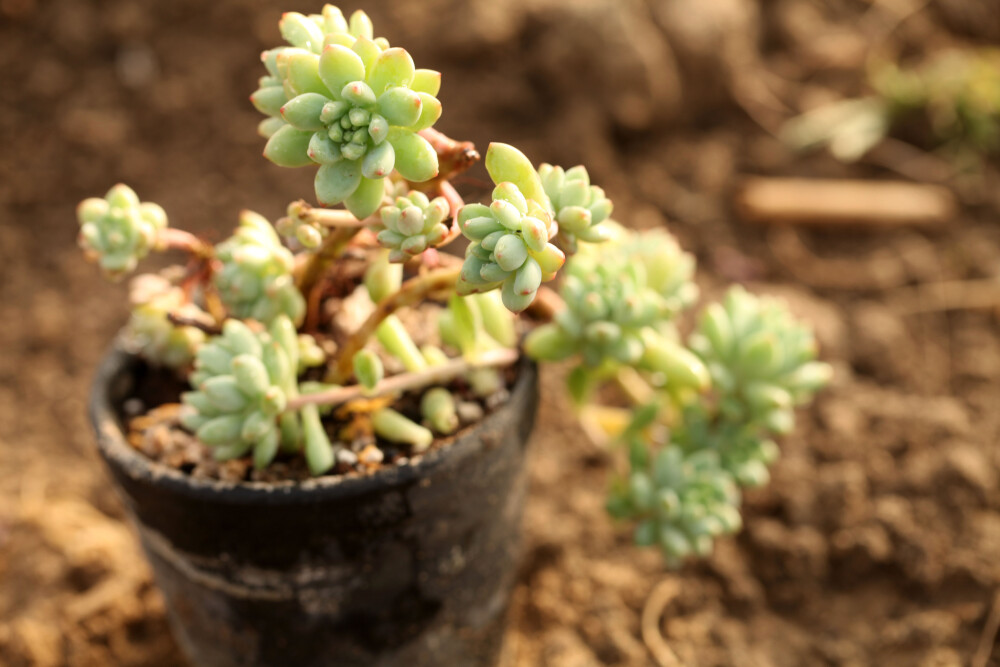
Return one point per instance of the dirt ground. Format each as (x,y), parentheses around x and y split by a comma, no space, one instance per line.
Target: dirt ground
(878,541)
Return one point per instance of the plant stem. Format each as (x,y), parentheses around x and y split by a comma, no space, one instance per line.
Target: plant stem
(318,261)
(454,157)
(178,239)
(331,217)
(635,386)
(406,381)
(410,293)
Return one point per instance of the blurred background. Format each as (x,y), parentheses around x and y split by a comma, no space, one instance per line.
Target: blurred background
(878,540)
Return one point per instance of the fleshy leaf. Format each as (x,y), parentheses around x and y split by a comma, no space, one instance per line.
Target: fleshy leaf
(339,66)
(430,112)
(289,147)
(335,182)
(506,163)
(303,73)
(366,199)
(393,68)
(426,81)
(400,106)
(379,161)
(416,159)
(303,112)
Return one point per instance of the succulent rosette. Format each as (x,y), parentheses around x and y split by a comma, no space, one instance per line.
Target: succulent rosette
(682,501)
(621,298)
(511,237)
(354,107)
(150,331)
(762,361)
(255,279)
(510,247)
(579,207)
(119,230)
(243,380)
(310,33)
(412,224)
(308,233)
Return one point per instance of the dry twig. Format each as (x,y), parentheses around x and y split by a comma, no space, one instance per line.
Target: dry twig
(652,615)
(406,381)
(988,639)
(803,201)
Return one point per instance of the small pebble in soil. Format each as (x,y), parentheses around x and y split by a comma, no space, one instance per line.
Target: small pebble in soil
(497,398)
(346,457)
(371,456)
(469,412)
(133,407)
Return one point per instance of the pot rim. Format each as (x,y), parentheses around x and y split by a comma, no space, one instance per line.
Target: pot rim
(118,363)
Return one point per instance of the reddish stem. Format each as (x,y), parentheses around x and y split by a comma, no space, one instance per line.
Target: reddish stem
(410,293)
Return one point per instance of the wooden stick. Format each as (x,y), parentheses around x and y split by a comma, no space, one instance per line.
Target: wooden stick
(844,202)
(406,381)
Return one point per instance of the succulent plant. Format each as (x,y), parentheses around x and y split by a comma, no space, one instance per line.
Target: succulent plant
(119,230)
(412,224)
(579,207)
(761,360)
(958,90)
(620,299)
(703,414)
(680,501)
(399,428)
(255,280)
(368,369)
(955,92)
(745,451)
(438,409)
(351,105)
(510,247)
(511,237)
(309,33)
(243,381)
(293,226)
(150,332)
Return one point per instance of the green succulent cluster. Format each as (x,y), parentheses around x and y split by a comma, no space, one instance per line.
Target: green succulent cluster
(680,501)
(762,364)
(310,234)
(956,94)
(620,299)
(243,381)
(255,279)
(119,230)
(579,207)
(351,105)
(151,333)
(510,247)
(745,451)
(958,90)
(306,33)
(412,224)
(762,361)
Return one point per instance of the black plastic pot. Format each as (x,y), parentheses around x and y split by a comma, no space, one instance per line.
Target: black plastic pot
(411,566)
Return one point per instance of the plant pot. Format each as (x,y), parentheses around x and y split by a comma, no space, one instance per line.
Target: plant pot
(412,565)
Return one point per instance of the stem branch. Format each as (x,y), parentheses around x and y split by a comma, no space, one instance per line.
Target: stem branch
(407,381)
(178,239)
(410,293)
(330,217)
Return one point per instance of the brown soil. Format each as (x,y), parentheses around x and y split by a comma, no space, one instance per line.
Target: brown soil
(878,542)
